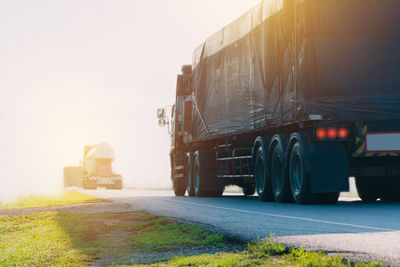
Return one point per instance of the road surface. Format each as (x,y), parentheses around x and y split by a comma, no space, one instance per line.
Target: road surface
(351,228)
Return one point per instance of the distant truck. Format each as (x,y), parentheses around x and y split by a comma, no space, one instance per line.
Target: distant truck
(96,170)
(289,101)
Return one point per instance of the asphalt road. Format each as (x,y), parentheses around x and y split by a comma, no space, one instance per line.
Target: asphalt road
(351,228)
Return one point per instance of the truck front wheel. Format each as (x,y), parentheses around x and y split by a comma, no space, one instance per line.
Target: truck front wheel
(178,181)
(179,187)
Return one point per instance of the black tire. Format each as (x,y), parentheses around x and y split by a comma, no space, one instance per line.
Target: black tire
(368,188)
(179,187)
(189,178)
(279,179)
(263,182)
(178,183)
(249,190)
(300,183)
(206,183)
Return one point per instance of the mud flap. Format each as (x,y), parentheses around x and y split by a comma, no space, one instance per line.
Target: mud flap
(328,166)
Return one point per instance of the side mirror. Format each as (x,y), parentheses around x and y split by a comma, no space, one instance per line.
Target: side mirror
(161,113)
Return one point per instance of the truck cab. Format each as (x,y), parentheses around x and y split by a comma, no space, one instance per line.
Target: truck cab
(180,125)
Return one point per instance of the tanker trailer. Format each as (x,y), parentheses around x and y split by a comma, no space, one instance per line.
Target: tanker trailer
(97,168)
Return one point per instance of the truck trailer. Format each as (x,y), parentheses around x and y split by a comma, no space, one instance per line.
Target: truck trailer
(289,101)
(95,170)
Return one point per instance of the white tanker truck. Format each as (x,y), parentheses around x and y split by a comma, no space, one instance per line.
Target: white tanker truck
(95,170)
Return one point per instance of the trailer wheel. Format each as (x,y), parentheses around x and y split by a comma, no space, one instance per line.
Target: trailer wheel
(206,183)
(263,181)
(279,180)
(300,183)
(189,178)
(249,190)
(367,188)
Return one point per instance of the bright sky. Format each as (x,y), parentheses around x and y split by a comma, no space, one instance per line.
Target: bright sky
(75,73)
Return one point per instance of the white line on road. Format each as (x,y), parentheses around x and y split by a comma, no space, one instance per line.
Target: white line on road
(287,217)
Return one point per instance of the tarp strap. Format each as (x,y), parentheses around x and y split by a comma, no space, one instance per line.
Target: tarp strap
(198,111)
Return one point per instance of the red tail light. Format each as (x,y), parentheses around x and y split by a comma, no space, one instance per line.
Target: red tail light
(321,133)
(343,133)
(332,133)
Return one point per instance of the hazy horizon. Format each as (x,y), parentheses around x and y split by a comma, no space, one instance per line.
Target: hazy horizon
(77,73)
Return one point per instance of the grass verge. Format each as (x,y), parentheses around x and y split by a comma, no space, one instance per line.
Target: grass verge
(73,239)
(267,253)
(37,201)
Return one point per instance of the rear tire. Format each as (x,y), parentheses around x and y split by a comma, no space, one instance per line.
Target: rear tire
(368,188)
(300,183)
(263,181)
(279,180)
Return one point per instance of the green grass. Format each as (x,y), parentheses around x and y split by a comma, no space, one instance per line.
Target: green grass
(162,234)
(71,239)
(266,253)
(38,240)
(36,201)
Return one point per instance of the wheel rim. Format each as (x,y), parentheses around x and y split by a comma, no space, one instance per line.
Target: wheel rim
(276,172)
(297,173)
(260,171)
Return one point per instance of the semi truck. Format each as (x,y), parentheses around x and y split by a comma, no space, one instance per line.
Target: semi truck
(289,101)
(95,170)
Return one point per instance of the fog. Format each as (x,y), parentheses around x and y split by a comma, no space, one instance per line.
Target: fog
(75,73)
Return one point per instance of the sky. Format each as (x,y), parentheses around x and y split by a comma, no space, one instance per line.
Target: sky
(82,72)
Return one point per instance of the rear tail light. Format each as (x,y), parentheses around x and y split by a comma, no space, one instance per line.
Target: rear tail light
(332,133)
(343,133)
(321,133)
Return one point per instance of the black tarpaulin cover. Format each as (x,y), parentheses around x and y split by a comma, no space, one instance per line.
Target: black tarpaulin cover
(286,59)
